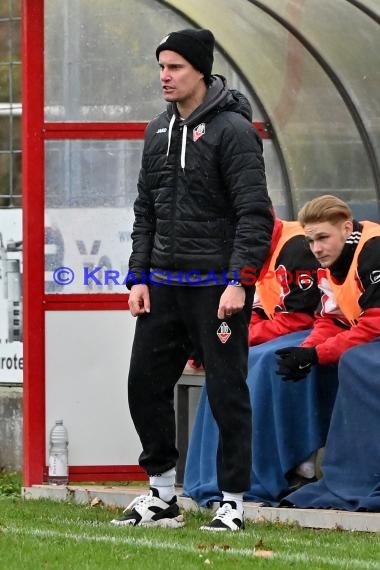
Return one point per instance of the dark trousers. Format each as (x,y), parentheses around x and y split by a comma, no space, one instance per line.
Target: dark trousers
(184,319)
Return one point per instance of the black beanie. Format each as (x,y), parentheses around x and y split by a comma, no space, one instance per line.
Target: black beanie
(196,46)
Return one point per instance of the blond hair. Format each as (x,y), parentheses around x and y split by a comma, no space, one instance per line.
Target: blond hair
(327,208)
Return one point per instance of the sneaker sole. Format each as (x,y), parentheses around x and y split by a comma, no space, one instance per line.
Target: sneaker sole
(177,522)
(218,529)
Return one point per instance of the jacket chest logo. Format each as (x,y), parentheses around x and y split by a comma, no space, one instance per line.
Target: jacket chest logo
(199,131)
(375,276)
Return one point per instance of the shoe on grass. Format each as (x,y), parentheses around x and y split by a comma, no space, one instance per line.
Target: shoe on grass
(227,517)
(150,510)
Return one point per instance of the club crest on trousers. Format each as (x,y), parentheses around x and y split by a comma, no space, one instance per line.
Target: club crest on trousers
(224,332)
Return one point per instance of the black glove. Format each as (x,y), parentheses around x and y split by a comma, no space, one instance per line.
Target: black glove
(295,362)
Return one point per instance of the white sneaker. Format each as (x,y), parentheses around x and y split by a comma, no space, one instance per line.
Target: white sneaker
(150,510)
(227,517)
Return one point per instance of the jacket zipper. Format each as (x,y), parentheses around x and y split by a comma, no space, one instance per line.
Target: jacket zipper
(175,192)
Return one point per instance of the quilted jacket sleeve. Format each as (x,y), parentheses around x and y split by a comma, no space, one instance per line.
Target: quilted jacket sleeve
(142,234)
(243,171)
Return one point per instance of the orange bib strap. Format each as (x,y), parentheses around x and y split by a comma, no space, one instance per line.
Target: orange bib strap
(348,293)
(267,287)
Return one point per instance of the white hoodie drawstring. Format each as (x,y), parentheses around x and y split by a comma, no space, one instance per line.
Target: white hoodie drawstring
(183,149)
(184,137)
(170,133)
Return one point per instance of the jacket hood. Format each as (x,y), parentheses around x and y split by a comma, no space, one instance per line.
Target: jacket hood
(219,98)
(236,102)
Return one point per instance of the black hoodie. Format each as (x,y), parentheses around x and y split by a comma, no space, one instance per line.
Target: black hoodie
(202,200)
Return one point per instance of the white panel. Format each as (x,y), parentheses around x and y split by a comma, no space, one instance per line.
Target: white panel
(87,363)
(11,347)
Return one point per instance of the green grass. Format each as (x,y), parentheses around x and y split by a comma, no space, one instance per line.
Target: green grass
(54,535)
(10,483)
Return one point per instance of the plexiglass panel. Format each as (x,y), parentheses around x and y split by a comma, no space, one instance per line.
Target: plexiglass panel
(373,5)
(275,180)
(321,144)
(100,66)
(90,190)
(357,66)
(100,62)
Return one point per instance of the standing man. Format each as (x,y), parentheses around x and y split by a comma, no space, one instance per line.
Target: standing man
(202,214)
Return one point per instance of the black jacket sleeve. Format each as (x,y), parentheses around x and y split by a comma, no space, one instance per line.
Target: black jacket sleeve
(142,234)
(243,172)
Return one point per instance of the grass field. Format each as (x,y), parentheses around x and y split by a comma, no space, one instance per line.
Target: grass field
(53,535)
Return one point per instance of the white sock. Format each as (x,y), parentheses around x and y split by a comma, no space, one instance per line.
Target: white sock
(164,483)
(307,468)
(236,497)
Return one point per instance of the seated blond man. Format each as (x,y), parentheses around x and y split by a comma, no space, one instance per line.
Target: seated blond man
(347,333)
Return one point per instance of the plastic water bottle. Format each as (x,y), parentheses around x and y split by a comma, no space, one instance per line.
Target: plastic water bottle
(58,455)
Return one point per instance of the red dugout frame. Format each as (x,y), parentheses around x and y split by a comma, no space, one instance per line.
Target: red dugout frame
(36,302)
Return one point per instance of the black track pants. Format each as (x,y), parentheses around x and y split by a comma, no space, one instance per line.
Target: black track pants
(181,319)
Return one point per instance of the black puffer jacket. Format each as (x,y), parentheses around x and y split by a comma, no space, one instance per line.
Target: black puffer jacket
(202,200)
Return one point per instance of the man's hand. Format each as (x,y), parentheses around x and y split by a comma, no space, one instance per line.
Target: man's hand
(231,302)
(295,362)
(139,300)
